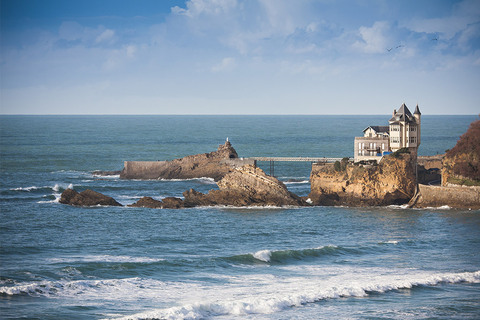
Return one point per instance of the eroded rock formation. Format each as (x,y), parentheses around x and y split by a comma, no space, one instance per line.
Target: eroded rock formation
(167,203)
(245,186)
(212,165)
(86,198)
(390,182)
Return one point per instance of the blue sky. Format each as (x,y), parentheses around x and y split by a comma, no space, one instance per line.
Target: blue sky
(239,57)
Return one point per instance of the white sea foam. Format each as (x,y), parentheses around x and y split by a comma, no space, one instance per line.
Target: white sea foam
(277,296)
(390,242)
(297,182)
(263,255)
(105,258)
(396,206)
(28,189)
(205,180)
(245,294)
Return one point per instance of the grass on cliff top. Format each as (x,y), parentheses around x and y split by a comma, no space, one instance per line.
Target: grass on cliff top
(463,181)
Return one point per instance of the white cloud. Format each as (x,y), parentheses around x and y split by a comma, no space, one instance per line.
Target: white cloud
(462,15)
(106,36)
(374,39)
(227,64)
(205,7)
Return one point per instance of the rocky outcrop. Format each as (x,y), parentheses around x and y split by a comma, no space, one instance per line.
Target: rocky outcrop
(167,203)
(245,186)
(392,181)
(212,165)
(86,198)
(461,164)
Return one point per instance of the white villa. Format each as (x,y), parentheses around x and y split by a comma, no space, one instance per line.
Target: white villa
(403,131)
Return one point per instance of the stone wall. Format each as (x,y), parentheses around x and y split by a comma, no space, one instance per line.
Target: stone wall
(452,196)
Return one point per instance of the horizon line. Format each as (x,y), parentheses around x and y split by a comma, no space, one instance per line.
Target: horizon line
(219,114)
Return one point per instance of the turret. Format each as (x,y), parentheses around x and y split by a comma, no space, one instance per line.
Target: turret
(418,115)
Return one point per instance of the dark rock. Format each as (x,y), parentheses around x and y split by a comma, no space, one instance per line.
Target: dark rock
(172,203)
(87,198)
(147,202)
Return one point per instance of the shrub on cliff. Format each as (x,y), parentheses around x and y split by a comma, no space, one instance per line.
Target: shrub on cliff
(466,153)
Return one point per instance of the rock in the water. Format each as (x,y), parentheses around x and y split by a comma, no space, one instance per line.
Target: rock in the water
(172,203)
(390,182)
(147,202)
(246,186)
(211,165)
(86,198)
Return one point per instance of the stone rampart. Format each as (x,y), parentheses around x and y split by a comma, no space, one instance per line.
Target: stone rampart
(142,169)
(453,196)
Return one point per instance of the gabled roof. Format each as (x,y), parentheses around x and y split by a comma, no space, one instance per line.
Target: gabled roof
(403,115)
(378,129)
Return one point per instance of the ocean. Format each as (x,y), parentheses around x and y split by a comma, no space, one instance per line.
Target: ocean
(64,262)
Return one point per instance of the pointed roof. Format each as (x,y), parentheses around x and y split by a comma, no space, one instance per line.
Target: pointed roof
(403,114)
(417,111)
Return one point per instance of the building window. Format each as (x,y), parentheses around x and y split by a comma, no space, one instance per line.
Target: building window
(413,140)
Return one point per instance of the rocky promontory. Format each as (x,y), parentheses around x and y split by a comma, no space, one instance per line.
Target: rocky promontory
(392,181)
(214,165)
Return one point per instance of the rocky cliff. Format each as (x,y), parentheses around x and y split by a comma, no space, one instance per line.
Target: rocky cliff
(213,165)
(461,164)
(392,181)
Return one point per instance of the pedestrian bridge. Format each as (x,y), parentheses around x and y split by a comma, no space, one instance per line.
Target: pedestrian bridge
(298,159)
(272,160)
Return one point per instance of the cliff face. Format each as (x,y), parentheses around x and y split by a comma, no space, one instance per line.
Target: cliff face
(213,165)
(245,186)
(461,164)
(390,182)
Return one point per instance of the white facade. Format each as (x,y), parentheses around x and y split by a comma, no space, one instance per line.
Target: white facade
(403,131)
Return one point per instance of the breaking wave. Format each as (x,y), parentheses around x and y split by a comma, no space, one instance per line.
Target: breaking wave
(283,256)
(278,301)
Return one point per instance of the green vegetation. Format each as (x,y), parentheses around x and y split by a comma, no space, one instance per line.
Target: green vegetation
(341,166)
(397,153)
(463,181)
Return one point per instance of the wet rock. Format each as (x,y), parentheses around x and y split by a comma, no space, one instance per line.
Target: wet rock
(147,202)
(246,186)
(87,198)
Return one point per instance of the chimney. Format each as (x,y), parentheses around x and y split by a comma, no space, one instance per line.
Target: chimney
(394,111)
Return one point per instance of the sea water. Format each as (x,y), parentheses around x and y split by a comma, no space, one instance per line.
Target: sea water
(63,262)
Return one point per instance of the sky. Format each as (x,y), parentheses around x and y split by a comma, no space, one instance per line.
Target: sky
(239,56)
